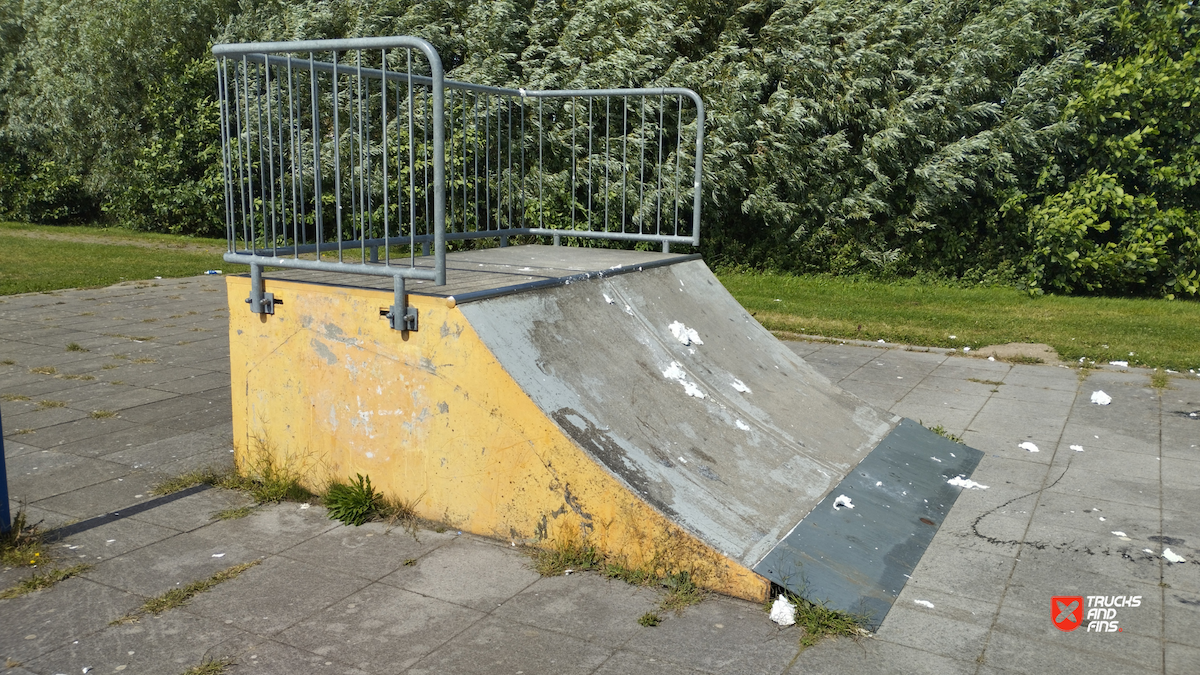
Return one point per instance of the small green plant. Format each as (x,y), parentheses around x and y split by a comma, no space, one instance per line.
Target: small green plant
(233,513)
(101,414)
(76,347)
(1022,359)
(47,403)
(177,597)
(649,619)
(76,376)
(23,544)
(410,562)
(210,667)
(14,397)
(1160,379)
(19,432)
(38,581)
(941,431)
(8,362)
(354,502)
(818,621)
(571,555)
(681,592)
(994,383)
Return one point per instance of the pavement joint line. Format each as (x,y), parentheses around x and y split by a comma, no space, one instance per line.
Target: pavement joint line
(982,658)
(60,533)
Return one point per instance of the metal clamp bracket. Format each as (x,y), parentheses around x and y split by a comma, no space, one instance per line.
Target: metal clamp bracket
(400,316)
(260,302)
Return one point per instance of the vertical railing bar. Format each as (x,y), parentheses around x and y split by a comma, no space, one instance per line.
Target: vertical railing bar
(487,162)
(624,157)
(282,168)
(589,166)
(363,162)
(641,169)
(658,171)
(383,116)
(523,176)
(450,187)
(541,169)
(607,129)
(294,100)
(337,157)
(226,153)
(425,101)
(466,109)
(292,157)
(475,158)
(678,157)
(412,178)
(318,207)
(262,163)
(277,221)
(509,199)
(243,159)
(573,158)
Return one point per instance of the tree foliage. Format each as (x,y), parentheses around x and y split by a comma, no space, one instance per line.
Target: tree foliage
(1047,142)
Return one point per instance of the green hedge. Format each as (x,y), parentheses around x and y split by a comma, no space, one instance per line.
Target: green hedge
(1047,143)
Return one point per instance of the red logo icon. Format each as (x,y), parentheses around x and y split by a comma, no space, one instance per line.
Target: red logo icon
(1067,611)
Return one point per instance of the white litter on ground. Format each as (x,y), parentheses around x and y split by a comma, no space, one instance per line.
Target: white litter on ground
(881,341)
(923,603)
(305,506)
(936,460)
(628,310)
(878,483)
(966,349)
(608,298)
(1122,364)
(1119,533)
(964,482)
(742,425)
(1101,398)
(841,501)
(1172,556)
(1146,550)
(1028,446)
(675,372)
(953,337)
(738,385)
(783,612)
(682,460)
(1102,519)
(1077,448)
(218,555)
(991,358)
(686,336)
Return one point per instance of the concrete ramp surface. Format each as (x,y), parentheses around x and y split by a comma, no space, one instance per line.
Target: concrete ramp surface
(636,405)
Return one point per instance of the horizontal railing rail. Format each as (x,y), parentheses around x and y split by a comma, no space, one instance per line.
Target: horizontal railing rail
(359,156)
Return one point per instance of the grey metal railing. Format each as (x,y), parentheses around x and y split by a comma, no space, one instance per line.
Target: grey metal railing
(358,156)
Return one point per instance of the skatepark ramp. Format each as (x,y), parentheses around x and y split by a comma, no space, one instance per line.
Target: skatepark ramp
(536,393)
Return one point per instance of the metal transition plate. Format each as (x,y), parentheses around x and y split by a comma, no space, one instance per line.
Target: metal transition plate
(856,557)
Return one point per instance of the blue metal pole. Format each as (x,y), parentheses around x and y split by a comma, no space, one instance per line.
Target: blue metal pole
(5,516)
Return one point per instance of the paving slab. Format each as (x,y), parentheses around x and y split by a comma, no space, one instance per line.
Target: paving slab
(375,599)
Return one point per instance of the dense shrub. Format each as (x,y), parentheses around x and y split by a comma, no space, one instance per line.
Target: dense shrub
(1046,142)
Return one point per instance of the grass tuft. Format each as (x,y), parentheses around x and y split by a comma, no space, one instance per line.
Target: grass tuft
(14,397)
(23,544)
(74,376)
(994,383)
(1160,379)
(577,556)
(818,622)
(8,362)
(44,370)
(101,414)
(177,597)
(233,513)
(210,667)
(47,403)
(76,347)
(941,431)
(38,581)
(649,619)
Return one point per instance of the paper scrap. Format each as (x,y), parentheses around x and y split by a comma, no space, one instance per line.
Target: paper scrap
(738,385)
(1077,448)
(1122,364)
(218,555)
(924,603)
(1101,398)
(936,460)
(608,298)
(964,482)
(742,425)
(685,335)
(841,501)
(1119,533)
(783,612)
(1171,556)
(1028,446)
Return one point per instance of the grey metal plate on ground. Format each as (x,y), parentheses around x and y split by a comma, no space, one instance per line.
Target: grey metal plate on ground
(856,559)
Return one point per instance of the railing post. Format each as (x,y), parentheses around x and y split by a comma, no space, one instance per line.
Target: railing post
(401,316)
(260,302)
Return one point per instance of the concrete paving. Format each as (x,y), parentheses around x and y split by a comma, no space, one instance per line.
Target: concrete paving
(149,399)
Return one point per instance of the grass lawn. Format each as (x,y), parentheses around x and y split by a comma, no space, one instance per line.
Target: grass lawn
(41,258)
(1160,333)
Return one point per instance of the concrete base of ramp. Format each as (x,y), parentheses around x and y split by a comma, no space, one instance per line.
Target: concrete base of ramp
(636,405)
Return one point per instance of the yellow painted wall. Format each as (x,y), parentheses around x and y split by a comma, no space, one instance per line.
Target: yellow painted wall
(329,390)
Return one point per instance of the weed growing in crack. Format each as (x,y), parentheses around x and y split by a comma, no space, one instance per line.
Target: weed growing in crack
(23,544)
(177,597)
(941,431)
(40,580)
(351,502)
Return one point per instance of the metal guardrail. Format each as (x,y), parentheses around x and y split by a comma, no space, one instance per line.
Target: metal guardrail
(358,156)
